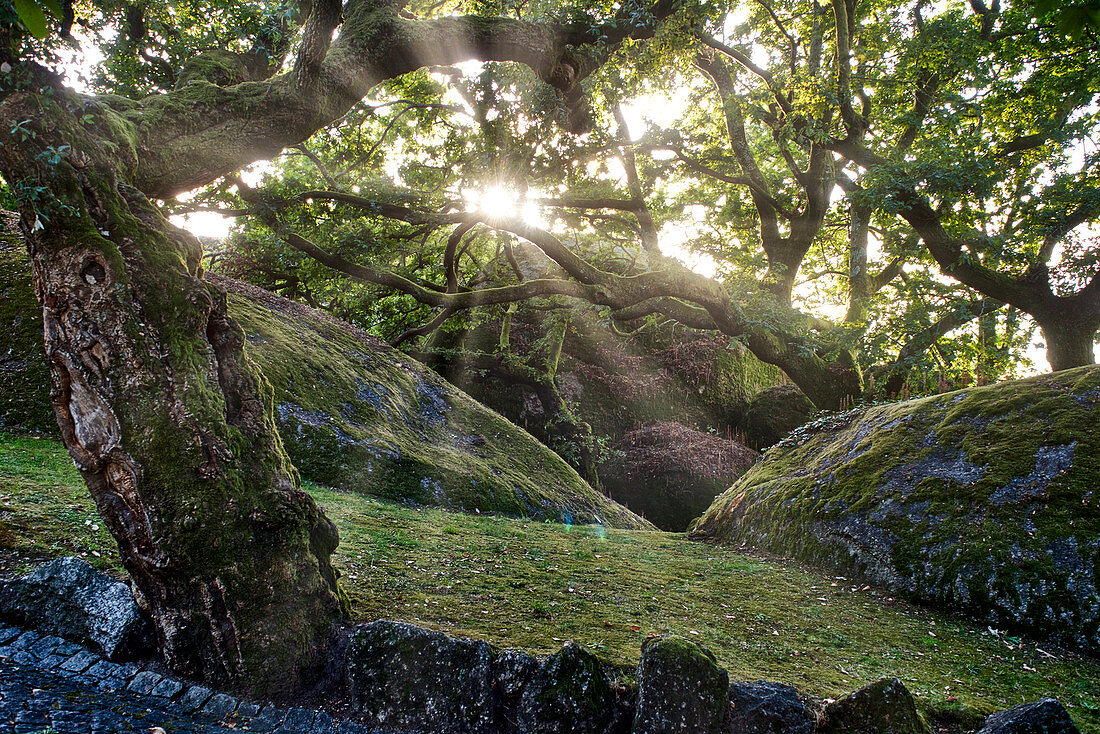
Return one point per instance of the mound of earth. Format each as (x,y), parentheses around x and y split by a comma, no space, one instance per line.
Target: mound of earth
(985,500)
(670,473)
(353,413)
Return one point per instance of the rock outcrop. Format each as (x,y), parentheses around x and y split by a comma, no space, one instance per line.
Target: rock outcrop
(356,414)
(985,500)
(352,412)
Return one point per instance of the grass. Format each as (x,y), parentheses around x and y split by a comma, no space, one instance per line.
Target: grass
(534,585)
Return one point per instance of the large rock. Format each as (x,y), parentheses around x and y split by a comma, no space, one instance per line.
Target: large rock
(883,707)
(1046,716)
(670,473)
(984,500)
(513,671)
(681,688)
(570,694)
(70,599)
(775,412)
(352,412)
(403,677)
(767,708)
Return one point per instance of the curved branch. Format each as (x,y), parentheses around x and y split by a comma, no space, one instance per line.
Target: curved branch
(192,135)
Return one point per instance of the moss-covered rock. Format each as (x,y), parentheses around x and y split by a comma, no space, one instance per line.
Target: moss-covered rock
(883,707)
(670,473)
(985,500)
(775,412)
(681,688)
(571,693)
(358,415)
(403,677)
(352,412)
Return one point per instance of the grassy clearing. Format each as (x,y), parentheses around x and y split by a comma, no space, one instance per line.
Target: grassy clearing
(533,585)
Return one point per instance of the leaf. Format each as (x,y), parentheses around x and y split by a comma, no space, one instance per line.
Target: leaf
(31,16)
(53,7)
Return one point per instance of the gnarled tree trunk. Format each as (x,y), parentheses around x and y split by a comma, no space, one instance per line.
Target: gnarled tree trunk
(167,419)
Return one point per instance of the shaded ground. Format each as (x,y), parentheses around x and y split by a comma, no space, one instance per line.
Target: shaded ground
(533,585)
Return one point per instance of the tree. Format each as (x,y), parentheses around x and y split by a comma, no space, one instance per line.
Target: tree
(167,419)
(984,165)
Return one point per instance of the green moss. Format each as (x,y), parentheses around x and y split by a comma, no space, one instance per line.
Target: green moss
(25,397)
(483,577)
(358,415)
(984,500)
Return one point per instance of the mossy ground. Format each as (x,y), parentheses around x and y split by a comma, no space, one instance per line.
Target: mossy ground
(533,585)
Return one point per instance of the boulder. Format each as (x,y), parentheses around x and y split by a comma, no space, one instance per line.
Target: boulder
(1046,716)
(68,598)
(403,677)
(570,694)
(670,473)
(353,413)
(767,708)
(513,671)
(681,688)
(883,707)
(983,501)
(775,412)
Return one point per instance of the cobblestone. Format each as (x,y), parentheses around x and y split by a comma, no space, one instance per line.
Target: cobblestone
(50,685)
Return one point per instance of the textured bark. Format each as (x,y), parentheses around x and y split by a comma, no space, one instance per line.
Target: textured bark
(168,421)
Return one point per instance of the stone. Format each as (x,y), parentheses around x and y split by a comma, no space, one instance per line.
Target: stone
(569,693)
(219,706)
(946,500)
(882,707)
(350,727)
(403,677)
(512,671)
(1046,716)
(194,698)
(69,598)
(681,688)
(80,662)
(144,682)
(767,708)
(168,688)
(775,412)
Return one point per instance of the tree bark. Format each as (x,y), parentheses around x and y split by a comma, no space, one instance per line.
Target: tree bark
(1069,343)
(166,418)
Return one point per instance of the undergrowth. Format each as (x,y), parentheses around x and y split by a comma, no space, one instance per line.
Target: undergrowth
(534,585)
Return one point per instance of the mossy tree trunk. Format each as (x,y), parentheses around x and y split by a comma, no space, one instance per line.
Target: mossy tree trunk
(168,421)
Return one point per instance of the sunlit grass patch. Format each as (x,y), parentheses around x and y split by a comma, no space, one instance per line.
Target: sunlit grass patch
(534,585)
